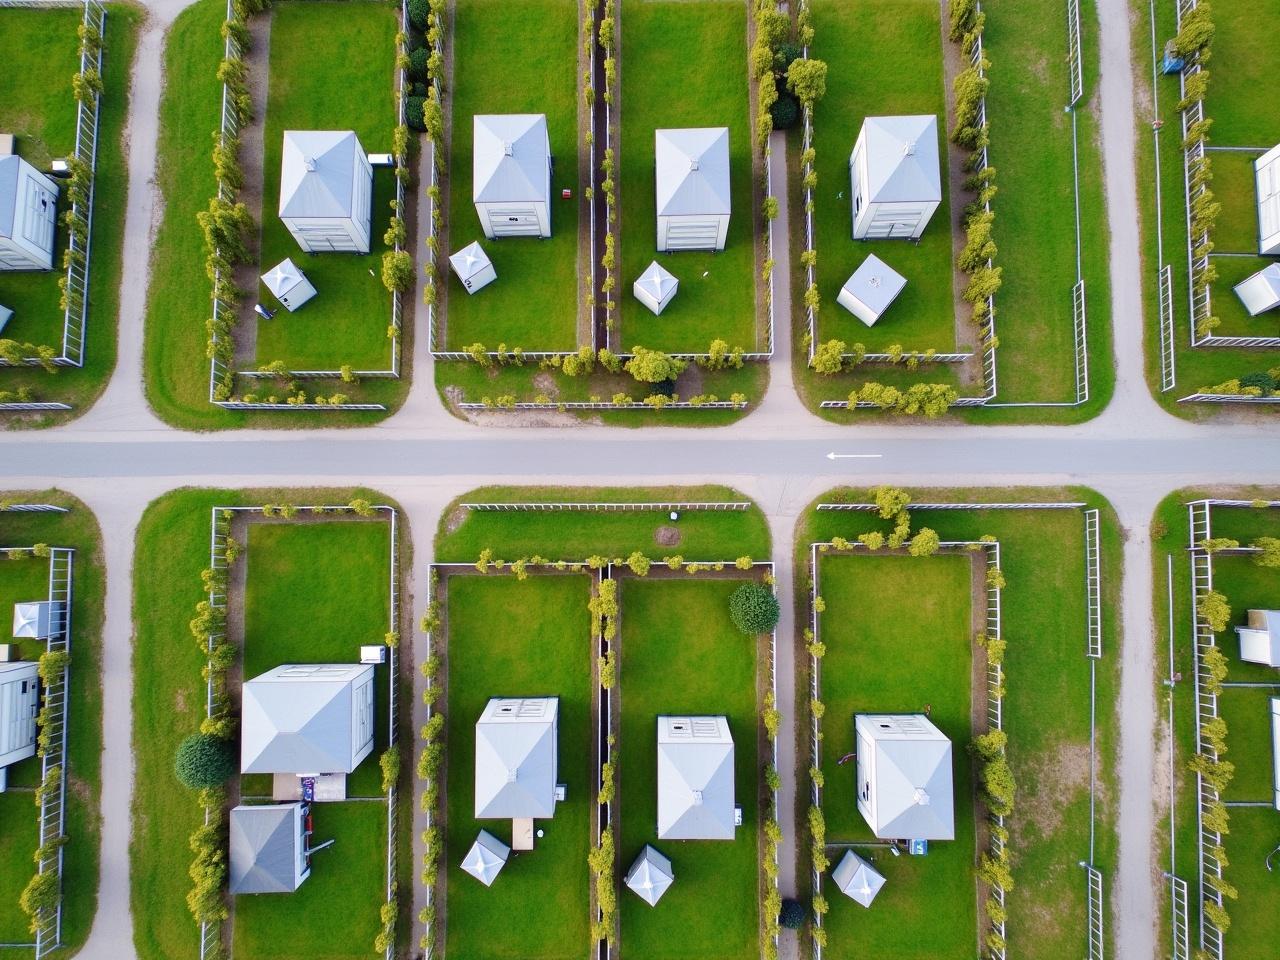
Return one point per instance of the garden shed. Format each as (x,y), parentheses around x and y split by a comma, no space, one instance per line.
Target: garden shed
(288,284)
(857,879)
(511,174)
(895,177)
(1266,171)
(34,619)
(1261,291)
(650,876)
(655,287)
(517,758)
(28,216)
(695,779)
(905,787)
(486,858)
(268,847)
(1260,638)
(692,178)
(326,191)
(307,719)
(872,288)
(473,267)
(19,704)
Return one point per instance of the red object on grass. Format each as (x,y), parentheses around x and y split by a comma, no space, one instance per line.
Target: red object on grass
(566,194)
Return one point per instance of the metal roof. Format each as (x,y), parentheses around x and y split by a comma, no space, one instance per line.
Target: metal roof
(486,858)
(470,260)
(692,171)
(299,718)
(906,772)
(516,758)
(650,875)
(1260,292)
(317,173)
(1267,177)
(857,879)
(657,281)
(266,848)
(902,159)
(282,278)
(510,157)
(875,284)
(695,779)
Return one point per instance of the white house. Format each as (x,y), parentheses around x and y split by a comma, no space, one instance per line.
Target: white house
(307,719)
(19,704)
(904,777)
(650,876)
(695,779)
(326,191)
(655,287)
(473,267)
(28,216)
(1275,748)
(1261,291)
(517,759)
(872,288)
(857,879)
(288,284)
(268,847)
(1266,172)
(1260,638)
(895,178)
(511,174)
(486,858)
(692,178)
(35,619)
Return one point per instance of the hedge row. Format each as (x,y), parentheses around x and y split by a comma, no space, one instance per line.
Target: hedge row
(424,112)
(431,760)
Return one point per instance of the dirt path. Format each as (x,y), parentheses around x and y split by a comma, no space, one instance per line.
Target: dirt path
(251,161)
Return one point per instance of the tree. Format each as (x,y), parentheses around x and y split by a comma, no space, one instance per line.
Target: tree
(807,79)
(828,357)
(753,608)
(924,543)
(1215,610)
(1270,555)
(419,11)
(204,761)
(653,366)
(792,914)
(785,112)
(890,501)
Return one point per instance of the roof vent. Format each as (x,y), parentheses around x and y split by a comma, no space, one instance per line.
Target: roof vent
(310,164)
(697,798)
(922,796)
(875,282)
(506,148)
(909,149)
(693,164)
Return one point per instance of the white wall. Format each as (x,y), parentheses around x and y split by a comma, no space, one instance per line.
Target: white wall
(669,229)
(534,219)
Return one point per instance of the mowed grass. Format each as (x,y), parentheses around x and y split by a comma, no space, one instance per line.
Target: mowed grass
(516,56)
(1240,101)
(512,638)
(1255,923)
(314,593)
(907,35)
(28,580)
(37,104)
(898,641)
(1228,307)
(684,65)
(334,914)
(348,319)
(682,655)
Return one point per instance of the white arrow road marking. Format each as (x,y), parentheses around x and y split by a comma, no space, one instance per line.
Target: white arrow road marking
(854,456)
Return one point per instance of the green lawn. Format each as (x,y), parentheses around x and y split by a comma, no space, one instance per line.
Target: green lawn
(347,321)
(28,580)
(515,638)
(682,655)
(577,535)
(334,914)
(42,114)
(898,640)
(516,56)
(171,549)
(1239,101)
(178,300)
(684,65)
(1235,186)
(314,593)
(1227,307)
(923,316)
(1255,923)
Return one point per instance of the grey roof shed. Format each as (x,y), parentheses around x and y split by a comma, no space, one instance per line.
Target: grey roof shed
(516,758)
(650,876)
(904,777)
(268,846)
(857,879)
(695,779)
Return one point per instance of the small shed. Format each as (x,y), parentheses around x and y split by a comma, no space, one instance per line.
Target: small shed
(1266,172)
(19,704)
(511,174)
(872,288)
(1260,292)
(289,285)
(655,287)
(857,879)
(517,757)
(473,267)
(1260,638)
(1275,749)
(326,191)
(486,858)
(268,847)
(650,876)
(28,216)
(692,179)
(307,719)
(905,789)
(695,779)
(895,177)
(34,619)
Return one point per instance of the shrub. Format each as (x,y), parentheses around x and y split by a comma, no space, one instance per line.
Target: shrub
(828,357)
(653,366)
(1215,610)
(418,64)
(1262,380)
(788,52)
(791,915)
(785,112)
(204,761)
(753,608)
(413,108)
(807,79)
(419,13)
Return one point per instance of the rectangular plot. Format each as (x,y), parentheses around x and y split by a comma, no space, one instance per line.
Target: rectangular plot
(513,638)
(1239,99)
(682,655)
(1255,923)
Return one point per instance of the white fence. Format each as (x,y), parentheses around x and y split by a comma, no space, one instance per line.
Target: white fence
(1168,375)
(603,405)
(606,507)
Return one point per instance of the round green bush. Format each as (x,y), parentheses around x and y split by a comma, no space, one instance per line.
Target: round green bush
(785,111)
(419,14)
(753,608)
(787,51)
(204,761)
(413,113)
(1265,381)
(418,64)
(417,89)
(791,915)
